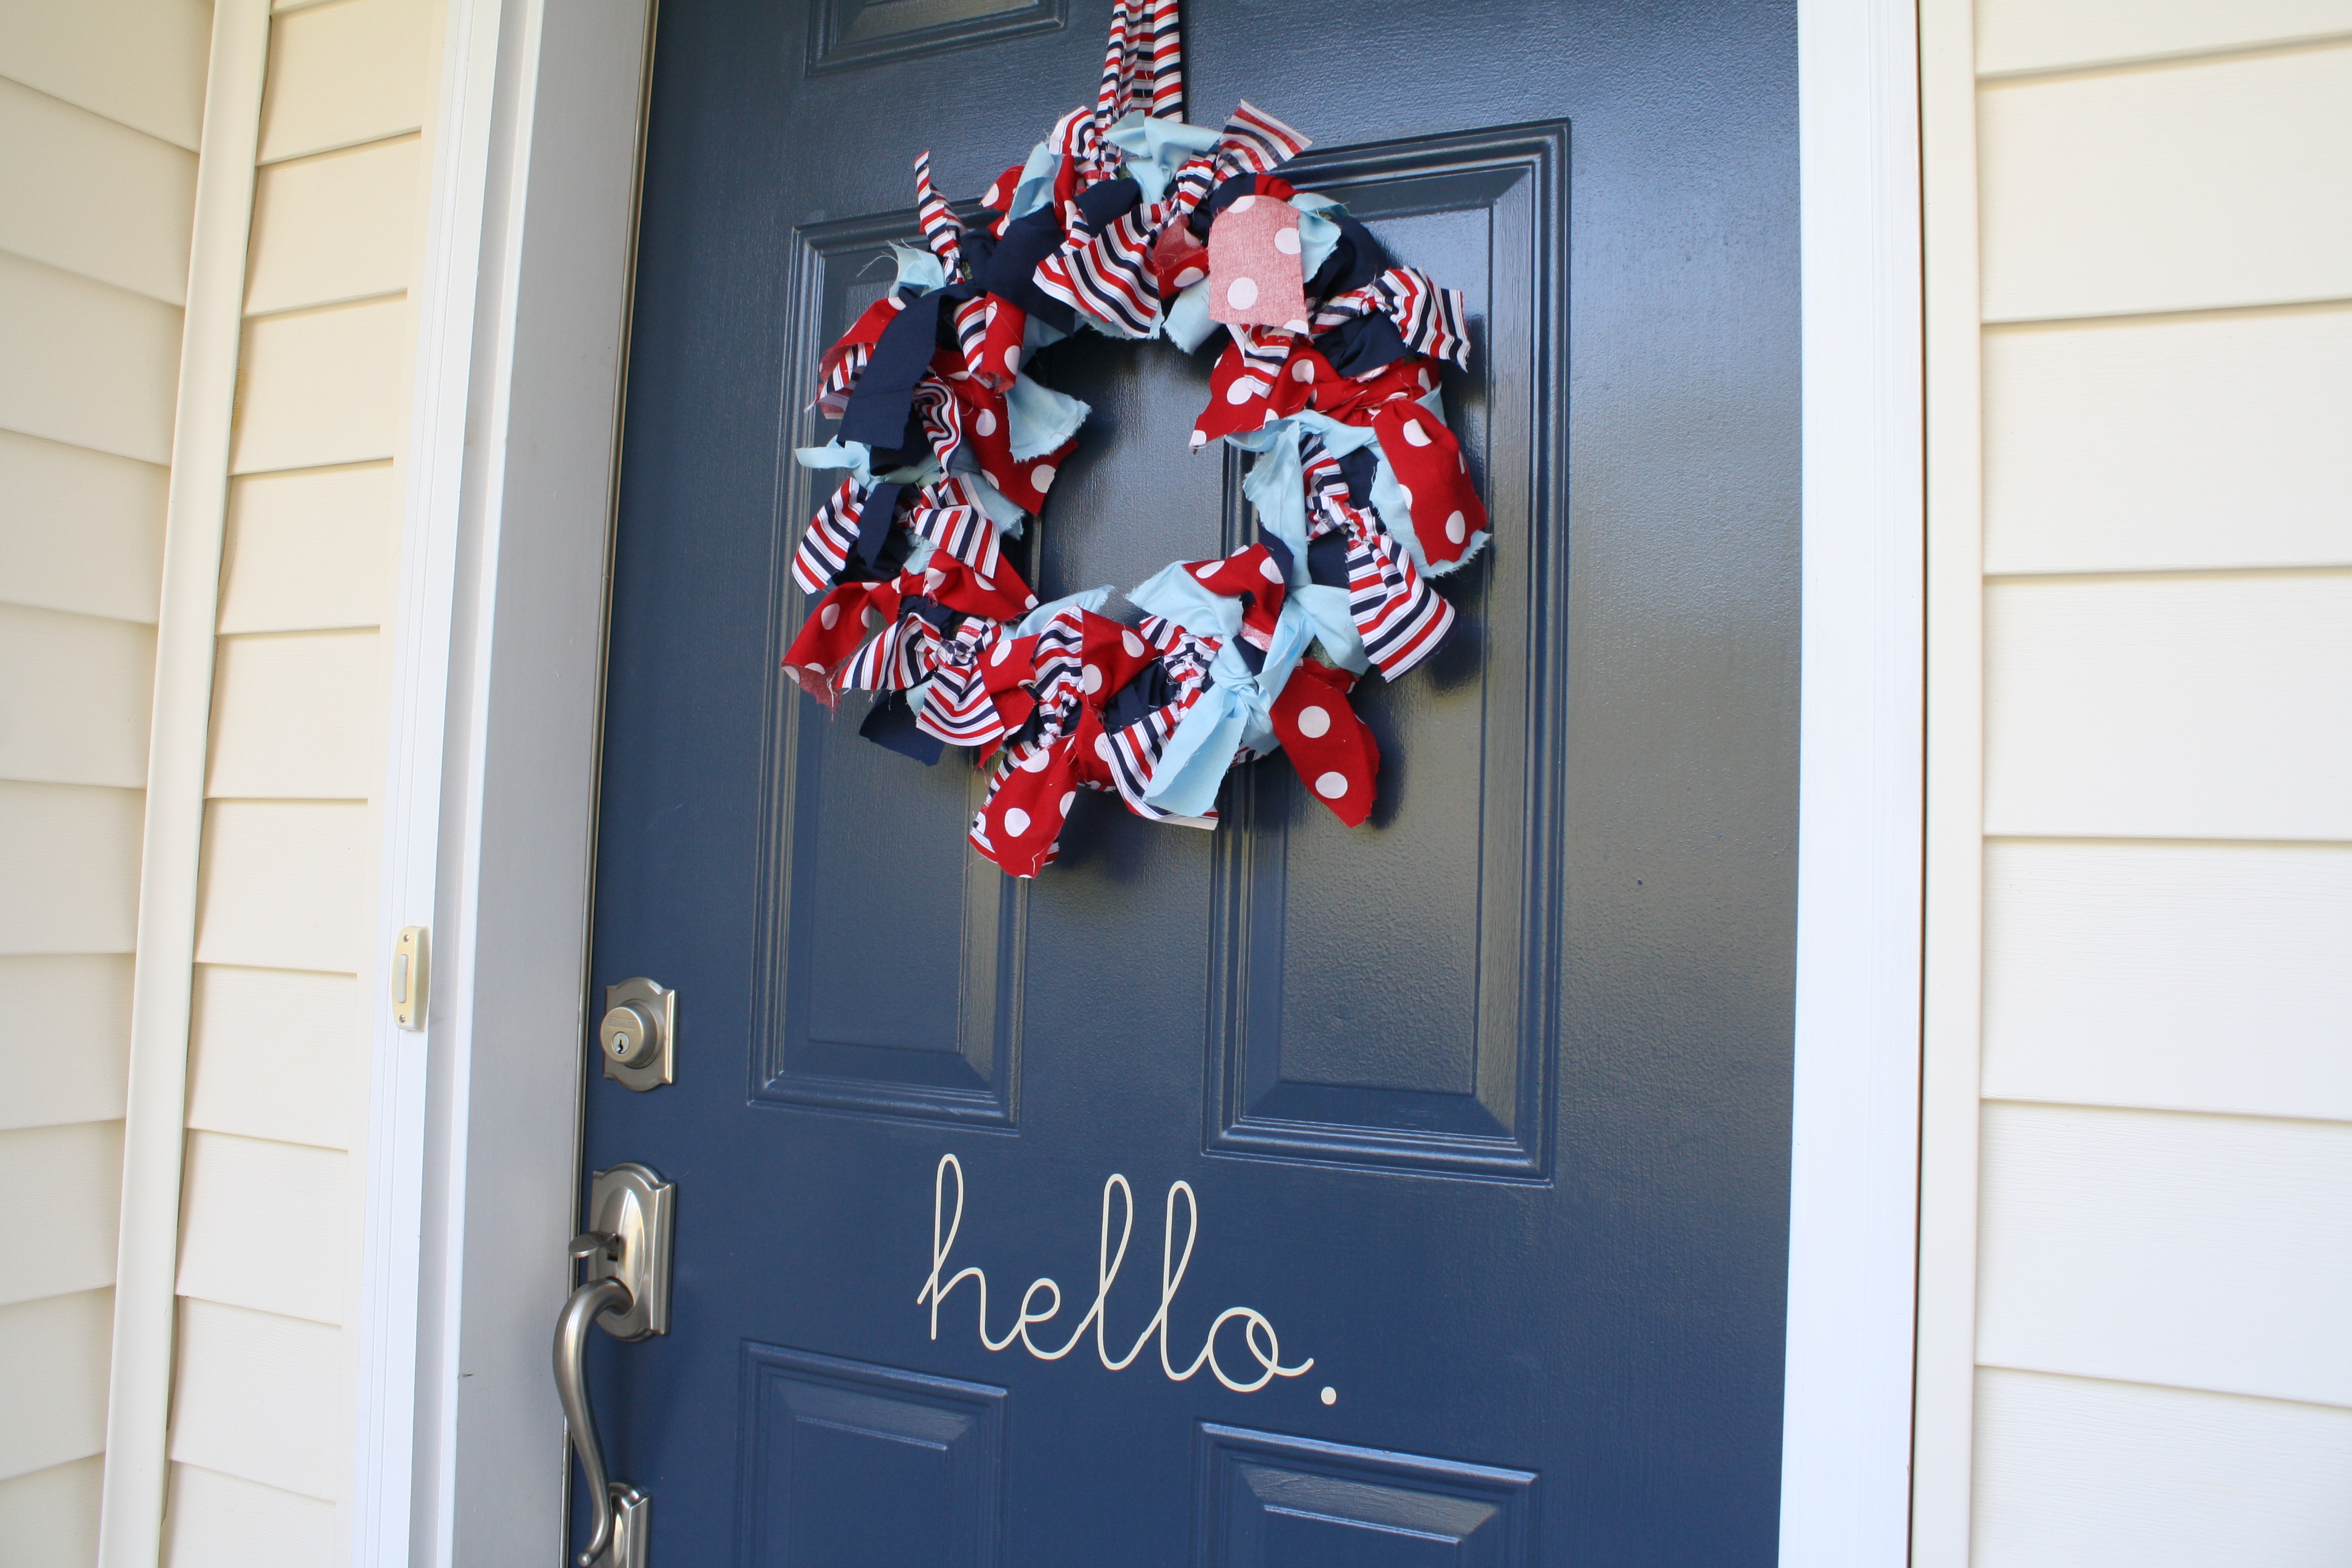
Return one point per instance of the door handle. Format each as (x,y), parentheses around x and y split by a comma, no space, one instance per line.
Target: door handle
(627,1251)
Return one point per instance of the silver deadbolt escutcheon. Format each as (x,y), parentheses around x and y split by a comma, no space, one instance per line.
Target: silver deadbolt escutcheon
(639,1034)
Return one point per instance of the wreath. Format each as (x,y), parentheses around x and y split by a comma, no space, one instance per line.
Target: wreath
(1128,222)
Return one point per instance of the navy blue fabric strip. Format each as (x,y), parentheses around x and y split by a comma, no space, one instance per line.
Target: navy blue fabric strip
(892,724)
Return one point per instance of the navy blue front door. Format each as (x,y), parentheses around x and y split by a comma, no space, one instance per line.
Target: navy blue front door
(1447,1154)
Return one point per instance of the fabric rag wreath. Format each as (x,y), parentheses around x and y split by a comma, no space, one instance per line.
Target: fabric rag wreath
(1132,223)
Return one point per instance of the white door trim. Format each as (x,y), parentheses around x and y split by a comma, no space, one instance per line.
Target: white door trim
(489,804)
(1845,1490)
(491,795)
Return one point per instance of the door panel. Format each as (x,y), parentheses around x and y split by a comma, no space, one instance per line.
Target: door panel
(1480,1108)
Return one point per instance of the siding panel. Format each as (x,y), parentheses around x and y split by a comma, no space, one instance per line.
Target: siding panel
(2073,1473)
(332,228)
(2183,976)
(89,363)
(64,1195)
(2190,707)
(2168,443)
(2198,1251)
(70,859)
(264,1226)
(259,1397)
(220,1521)
(80,530)
(2177,188)
(53,1380)
(284,885)
(277,1054)
(340,74)
(77,1006)
(310,551)
(2038,34)
(49,1519)
(295,717)
(80,192)
(141,62)
(76,698)
(321,388)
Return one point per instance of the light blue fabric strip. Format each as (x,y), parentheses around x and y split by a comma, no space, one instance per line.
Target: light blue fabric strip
(1236,710)
(1276,486)
(1010,519)
(1041,419)
(1156,148)
(855,455)
(1318,238)
(1187,322)
(1091,599)
(1174,593)
(1036,186)
(918,268)
(1326,609)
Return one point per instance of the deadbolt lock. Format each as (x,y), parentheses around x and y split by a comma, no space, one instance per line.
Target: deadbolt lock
(639,1034)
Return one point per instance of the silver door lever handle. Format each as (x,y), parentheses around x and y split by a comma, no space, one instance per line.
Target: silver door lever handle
(626,1248)
(586,1304)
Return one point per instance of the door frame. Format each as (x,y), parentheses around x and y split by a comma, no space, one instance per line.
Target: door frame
(490,789)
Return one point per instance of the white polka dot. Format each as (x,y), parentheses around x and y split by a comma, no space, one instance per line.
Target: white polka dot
(1313,722)
(990,199)
(1457,528)
(1016,821)
(872,618)
(1090,678)
(1285,240)
(1041,476)
(1243,203)
(1003,651)
(1406,491)
(897,303)
(1030,602)
(1200,439)
(1034,762)
(984,422)
(1102,747)
(1013,359)
(1189,276)
(1295,325)
(1133,644)
(1067,797)
(1302,370)
(993,481)
(1331,787)
(1268,570)
(1428,381)
(814,665)
(1243,389)
(1242,293)
(1206,570)
(829,617)
(934,580)
(1414,435)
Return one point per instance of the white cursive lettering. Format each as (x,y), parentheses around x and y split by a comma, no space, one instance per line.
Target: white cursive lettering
(1257,1333)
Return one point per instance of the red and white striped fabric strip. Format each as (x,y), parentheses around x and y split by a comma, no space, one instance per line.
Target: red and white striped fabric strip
(832,398)
(832,534)
(964,531)
(1167,61)
(1401,618)
(1431,321)
(1255,143)
(1109,276)
(940,230)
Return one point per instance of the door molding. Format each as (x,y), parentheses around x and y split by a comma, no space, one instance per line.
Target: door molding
(491,770)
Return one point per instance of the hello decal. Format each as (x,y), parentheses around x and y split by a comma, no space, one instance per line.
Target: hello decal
(1257,1333)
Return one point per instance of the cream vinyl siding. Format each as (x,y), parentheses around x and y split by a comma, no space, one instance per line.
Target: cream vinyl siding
(2165,1189)
(100,101)
(261,1433)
